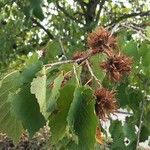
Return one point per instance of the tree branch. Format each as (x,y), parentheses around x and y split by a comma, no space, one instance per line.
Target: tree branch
(82,4)
(126,16)
(136,29)
(67,14)
(38,23)
(91,10)
(42,27)
(100,9)
(68,61)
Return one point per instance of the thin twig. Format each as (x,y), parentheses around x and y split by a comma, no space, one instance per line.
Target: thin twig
(131,27)
(75,73)
(76,67)
(92,74)
(59,63)
(114,29)
(126,16)
(80,60)
(88,81)
(123,112)
(62,48)
(141,116)
(136,30)
(42,27)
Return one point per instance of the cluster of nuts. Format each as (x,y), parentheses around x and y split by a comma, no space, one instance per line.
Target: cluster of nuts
(116,66)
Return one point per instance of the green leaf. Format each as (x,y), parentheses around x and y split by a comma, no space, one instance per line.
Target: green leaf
(82,119)
(52,50)
(145,58)
(148,31)
(38,87)
(72,145)
(37,9)
(57,120)
(134,98)
(51,74)
(9,87)
(26,109)
(50,1)
(52,100)
(119,132)
(116,131)
(122,38)
(33,65)
(145,132)
(66,67)
(146,118)
(95,64)
(129,131)
(24,104)
(131,50)
(128,96)
(8,121)
(122,95)
(145,53)
(132,145)
(27,11)
(33,7)
(38,12)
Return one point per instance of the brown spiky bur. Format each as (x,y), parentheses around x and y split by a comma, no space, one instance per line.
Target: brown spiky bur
(106,103)
(101,40)
(116,66)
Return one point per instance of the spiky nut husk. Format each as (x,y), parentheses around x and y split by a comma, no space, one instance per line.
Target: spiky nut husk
(117,66)
(106,103)
(101,40)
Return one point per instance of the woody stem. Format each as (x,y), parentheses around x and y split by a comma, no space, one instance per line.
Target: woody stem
(92,74)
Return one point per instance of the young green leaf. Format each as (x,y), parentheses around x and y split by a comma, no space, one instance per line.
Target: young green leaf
(53,50)
(52,100)
(38,87)
(26,109)
(116,131)
(82,119)
(58,119)
(8,121)
(95,64)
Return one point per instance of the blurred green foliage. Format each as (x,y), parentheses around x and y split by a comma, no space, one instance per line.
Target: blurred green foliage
(34,33)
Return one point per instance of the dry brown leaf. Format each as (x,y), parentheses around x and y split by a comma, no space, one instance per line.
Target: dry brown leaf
(99,137)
